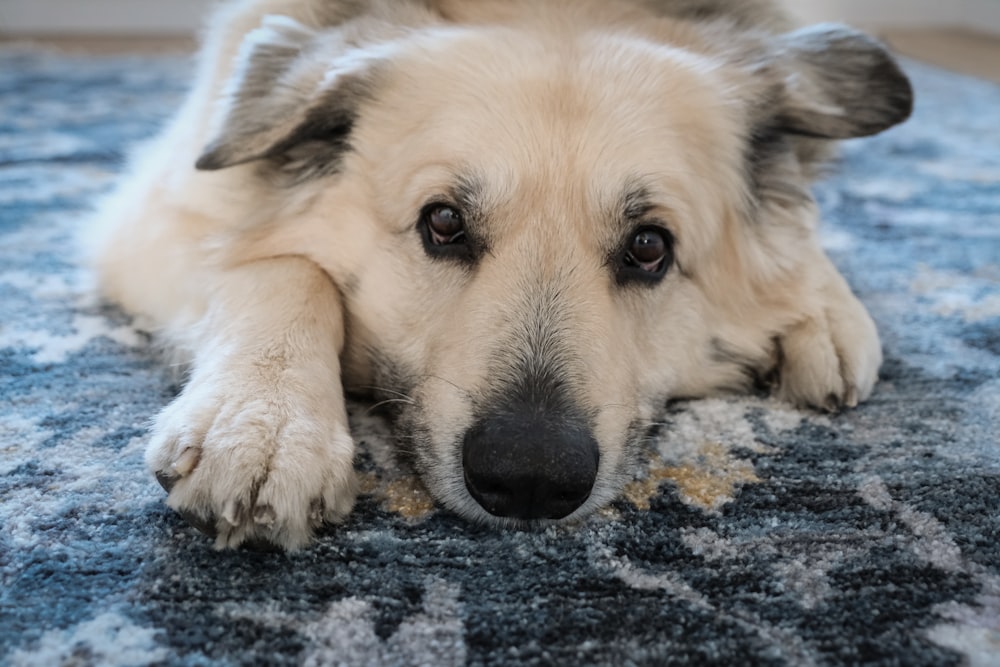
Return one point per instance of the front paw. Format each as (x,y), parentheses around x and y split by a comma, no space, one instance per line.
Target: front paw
(252,465)
(830,359)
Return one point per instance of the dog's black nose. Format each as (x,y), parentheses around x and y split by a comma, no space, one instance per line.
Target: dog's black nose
(528,466)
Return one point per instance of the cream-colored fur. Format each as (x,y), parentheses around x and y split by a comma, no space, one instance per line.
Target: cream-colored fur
(284,288)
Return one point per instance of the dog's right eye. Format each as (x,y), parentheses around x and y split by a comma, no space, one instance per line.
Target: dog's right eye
(443,230)
(647,257)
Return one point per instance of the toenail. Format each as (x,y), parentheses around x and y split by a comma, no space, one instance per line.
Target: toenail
(167,480)
(205,525)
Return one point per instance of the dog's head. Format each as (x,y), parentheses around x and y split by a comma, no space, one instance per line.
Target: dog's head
(542,233)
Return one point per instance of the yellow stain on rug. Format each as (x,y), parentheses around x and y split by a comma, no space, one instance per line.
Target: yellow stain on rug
(710,481)
(405,496)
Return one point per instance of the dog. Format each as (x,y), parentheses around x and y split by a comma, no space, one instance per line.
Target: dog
(527,224)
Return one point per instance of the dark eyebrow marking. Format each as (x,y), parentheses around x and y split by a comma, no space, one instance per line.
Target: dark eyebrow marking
(636,204)
(630,211)
(468,193)
(637,208)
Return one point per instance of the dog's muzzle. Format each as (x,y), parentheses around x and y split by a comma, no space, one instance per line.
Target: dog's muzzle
(530,465)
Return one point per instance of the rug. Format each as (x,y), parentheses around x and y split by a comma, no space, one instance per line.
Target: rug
(756,534)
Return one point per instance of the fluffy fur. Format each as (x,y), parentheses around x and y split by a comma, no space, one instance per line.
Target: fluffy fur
(294,262)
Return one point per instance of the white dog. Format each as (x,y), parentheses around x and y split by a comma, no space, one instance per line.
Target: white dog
(531,222)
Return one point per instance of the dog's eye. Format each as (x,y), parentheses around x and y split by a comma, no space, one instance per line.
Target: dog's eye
(648,255)
(442,228)
(444,224)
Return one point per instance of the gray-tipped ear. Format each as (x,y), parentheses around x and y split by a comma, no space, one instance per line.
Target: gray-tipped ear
(839,84)
(293,99)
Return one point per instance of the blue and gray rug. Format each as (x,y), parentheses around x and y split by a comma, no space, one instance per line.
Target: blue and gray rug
(758,535)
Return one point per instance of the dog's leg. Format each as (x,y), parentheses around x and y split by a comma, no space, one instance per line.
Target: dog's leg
(256,449)
(830,359)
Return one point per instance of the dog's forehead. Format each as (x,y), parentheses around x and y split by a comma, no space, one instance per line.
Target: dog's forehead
(589,124)
(535,90)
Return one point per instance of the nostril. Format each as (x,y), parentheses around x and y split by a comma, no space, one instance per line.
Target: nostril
(530,469)
(481,484)
(491,494)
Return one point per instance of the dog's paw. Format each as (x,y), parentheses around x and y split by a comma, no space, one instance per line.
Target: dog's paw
(252,466)
(830,360)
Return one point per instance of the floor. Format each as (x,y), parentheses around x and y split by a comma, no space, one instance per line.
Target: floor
(957,49)
(107,45)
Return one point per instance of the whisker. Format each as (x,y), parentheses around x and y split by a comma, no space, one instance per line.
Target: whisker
(464,391)
(406,451)
(386,390)
(388,401)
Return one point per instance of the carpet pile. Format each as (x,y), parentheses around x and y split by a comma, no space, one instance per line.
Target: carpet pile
(756,534)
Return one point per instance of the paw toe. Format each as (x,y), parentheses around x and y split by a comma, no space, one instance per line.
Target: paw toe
(851,396)
(187,461)
(264,515)
(234,513)
(169,468)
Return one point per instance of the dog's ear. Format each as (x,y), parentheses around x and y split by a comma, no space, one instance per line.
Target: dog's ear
(836,83)
(293,98)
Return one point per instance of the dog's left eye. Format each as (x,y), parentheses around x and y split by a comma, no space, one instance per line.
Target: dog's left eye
(444,224)
(649,254)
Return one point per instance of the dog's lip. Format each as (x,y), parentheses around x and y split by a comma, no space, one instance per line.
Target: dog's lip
(481,516)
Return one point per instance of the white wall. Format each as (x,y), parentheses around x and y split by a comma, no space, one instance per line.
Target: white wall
(977,14)
(182,16)
(46,17)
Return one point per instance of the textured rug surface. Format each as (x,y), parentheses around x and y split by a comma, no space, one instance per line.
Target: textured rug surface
(756,535)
